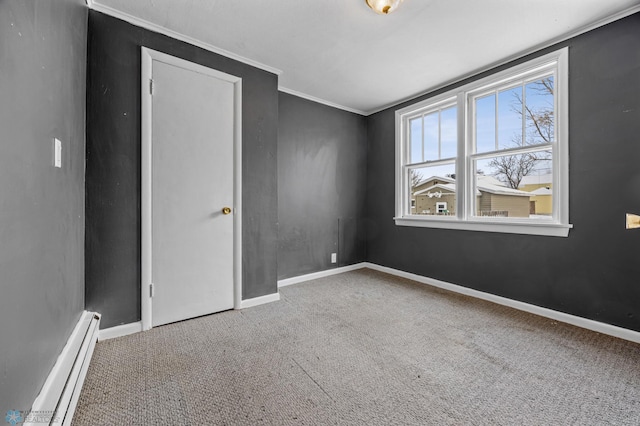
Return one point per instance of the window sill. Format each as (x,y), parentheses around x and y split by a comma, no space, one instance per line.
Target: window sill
(551,229)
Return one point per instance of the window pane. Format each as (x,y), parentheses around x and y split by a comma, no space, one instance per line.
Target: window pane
(448,132)
(432,185)
(507,158)
(518,186)
(486,123)
(415,129)
(431,133)
(540,114)
(510,118)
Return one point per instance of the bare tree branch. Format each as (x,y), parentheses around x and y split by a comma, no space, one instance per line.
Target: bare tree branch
(511,169)
(415,178)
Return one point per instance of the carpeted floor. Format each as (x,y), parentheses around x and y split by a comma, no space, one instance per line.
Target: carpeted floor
(364,348)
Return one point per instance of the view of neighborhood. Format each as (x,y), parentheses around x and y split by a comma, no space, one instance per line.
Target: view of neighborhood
(436,195)
(514,128)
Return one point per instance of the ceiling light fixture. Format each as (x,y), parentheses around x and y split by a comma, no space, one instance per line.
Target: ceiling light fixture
(383,7)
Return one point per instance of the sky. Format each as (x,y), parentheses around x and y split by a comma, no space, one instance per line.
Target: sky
(441,126)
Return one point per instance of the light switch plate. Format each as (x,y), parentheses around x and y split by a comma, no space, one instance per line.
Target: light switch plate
(57,153)
(633,221)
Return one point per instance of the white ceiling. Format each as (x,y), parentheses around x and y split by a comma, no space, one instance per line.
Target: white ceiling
(343,54)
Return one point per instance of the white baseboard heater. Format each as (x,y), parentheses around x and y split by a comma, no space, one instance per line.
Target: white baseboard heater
(59,396)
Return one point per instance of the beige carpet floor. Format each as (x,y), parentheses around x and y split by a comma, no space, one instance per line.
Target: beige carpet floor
(364,348)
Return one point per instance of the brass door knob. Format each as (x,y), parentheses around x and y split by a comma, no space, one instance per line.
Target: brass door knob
(226,210)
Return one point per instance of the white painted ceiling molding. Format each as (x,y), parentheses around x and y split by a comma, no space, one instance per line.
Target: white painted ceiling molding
(320,101)
(560,39)
(341,54)
(177,35)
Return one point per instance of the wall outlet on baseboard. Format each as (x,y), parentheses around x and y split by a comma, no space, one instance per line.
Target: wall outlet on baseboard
(334,257)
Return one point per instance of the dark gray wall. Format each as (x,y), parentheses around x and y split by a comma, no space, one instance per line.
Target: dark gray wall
(321,186)
(113,166)
(42,96)
(593,273)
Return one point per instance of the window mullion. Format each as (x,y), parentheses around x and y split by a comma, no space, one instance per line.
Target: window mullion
(524,115)
(439,134)
(422,135)
(469,172)
(461,159)
(497,143)
(512,151)
(404,181)
(406,188)
(431,163)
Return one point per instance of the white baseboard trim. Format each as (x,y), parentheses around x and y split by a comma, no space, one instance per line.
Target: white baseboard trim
(600,327)
(61,390)
(321,274)
(119,331)
(249,303)
(136,327)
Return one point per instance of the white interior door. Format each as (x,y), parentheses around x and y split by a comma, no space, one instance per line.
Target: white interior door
(191,247)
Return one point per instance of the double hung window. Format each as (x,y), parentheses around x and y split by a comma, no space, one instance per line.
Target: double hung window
(491,155)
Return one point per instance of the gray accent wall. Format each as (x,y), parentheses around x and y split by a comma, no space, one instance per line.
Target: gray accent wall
(113,166)
(326,184)
(321,186)
(42,96)
(594,273)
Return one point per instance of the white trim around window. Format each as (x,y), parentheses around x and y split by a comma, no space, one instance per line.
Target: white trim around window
(463,175)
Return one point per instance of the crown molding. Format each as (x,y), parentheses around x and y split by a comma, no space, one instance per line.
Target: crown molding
(566,36)
(93,5)
(320,101)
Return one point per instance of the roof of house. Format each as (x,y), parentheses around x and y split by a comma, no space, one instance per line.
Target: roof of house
(542,191)
(442,178)
(494,186)
(451,187)
(485,184)
(537,179)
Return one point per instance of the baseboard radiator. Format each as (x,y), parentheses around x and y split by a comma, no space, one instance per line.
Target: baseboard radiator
(59,396)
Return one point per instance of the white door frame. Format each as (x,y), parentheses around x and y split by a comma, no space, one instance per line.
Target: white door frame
(148,56)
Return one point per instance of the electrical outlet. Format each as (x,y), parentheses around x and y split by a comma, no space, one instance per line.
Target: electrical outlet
(334,257)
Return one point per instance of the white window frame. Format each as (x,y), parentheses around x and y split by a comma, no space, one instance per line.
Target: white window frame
(558,224)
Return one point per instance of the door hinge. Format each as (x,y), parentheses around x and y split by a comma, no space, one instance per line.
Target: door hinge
(151,86)
(151,290)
